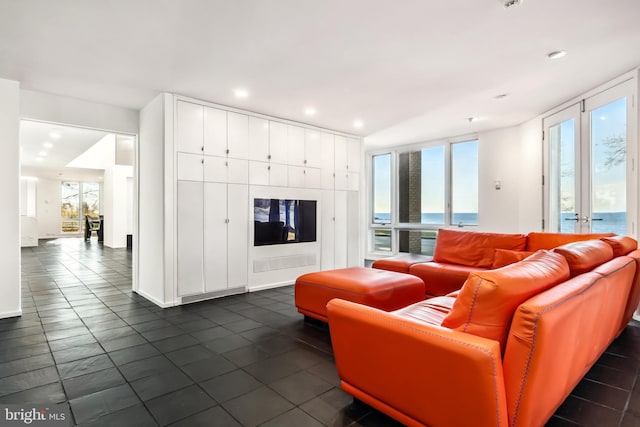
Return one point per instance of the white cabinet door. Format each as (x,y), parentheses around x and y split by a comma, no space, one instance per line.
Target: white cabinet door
(277,142)
(312,178)
(190,167)
(340,147)
(237,171)
(295,145)
(327,161)
(238,135)
(258,139)
(190,238)
(258,173)
(313,148)
(278,175)
(238,243)
(215,169)
(189,127)
(341,225)
(354,154)
(215,236)
(341,180)
(215,132)
(353,229)
(296,176)
(327,232)
(353,181)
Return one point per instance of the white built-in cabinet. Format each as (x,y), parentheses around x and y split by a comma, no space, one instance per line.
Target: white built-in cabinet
(219,156)
(212,199)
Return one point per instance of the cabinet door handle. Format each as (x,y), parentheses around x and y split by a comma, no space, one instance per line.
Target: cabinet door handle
(268,168)
(202,161)
(202,148)
(226,163)
(305,161)
(269,157)
(226,221)
(227,151)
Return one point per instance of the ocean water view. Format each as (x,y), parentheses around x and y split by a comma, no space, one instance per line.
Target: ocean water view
(602,222)
(432,218)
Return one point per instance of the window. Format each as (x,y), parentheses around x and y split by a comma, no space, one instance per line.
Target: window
(72,196)
(382,188)
(437,186)
(464,183)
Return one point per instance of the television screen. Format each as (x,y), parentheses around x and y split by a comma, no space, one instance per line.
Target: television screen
(279,221)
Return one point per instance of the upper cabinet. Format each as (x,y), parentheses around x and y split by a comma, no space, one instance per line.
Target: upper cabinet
(215,132)
(189,127)
(277,142)
(323,159)
(258,139)
(237,135)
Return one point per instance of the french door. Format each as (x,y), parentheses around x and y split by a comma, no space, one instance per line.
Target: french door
(589,165)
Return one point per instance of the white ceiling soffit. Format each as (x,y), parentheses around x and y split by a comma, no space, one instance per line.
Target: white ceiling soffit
(410,70)
(46,149)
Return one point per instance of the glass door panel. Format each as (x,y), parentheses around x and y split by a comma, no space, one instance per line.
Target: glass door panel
(608,130)
(69,207)
(562,148)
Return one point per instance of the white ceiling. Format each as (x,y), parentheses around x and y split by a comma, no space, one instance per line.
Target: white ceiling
(71,143)
(411,70)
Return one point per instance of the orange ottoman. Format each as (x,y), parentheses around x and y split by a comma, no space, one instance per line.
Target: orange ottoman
(386,290)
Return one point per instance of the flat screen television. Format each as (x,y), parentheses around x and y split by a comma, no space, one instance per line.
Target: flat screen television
(280,221)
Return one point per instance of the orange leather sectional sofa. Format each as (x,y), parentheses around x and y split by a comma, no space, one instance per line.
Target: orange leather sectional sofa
(458,253)
(506,350)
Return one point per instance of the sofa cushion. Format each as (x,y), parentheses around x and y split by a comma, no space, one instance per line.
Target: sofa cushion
(441,278)
(621,245)
(504,257)
(489,298)
(540,240)
(431,311)
(585,256)
(475,249)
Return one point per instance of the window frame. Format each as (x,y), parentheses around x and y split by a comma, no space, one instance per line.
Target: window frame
(395,226)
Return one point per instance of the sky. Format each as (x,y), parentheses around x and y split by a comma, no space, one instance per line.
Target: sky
(464,179)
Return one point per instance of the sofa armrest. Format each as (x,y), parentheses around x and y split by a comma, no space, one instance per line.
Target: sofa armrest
(415,372)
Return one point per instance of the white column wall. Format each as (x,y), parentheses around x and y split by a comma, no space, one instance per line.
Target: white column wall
(10,190)
(116,205)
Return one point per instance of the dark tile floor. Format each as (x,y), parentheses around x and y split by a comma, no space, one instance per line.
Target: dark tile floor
(117,360)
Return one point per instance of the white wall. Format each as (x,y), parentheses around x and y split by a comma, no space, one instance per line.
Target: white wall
(499,160)
(115,203)
(60,109)
(529,164)
(151,189)
(48,208)
(10,190)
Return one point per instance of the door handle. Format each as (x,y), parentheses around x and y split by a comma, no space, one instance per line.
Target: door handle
(576,218)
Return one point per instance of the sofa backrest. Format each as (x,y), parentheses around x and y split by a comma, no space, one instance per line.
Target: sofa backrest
(472,248)
(488,299)
(557,335)
(543,240)
(586,255)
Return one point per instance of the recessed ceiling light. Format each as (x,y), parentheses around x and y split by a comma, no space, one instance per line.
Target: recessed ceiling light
(241,93)
(54,135)
(310,111)
(501,96)
(42,154)
(47,144)
(556,54)
(39,159)
(357,124)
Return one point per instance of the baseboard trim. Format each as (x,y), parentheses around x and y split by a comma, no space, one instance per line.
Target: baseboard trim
(269,286)
(154,300)
(11,314)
